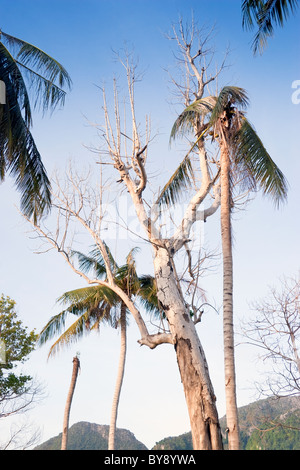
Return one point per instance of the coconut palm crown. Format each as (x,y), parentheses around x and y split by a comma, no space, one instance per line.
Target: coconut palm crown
(99,304)
(224,119)
(32,79)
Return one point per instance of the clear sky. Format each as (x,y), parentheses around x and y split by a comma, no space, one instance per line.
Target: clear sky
(82,35)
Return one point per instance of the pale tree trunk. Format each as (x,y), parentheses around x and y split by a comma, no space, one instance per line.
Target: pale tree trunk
(199,394)
(76,366)
(119,381)
(191,360)
(228,329)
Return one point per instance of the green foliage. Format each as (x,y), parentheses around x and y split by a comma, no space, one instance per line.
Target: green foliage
(228,96)
(284,413)
(249,158)
(265,14)
(27,70)
(179,181)
(97,304)
(90,436)
(277,435)
(251,154)
(191,115)
(182,442)
(271,424)
(19,343)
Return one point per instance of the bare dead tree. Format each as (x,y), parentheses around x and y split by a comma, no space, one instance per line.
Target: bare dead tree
(275,330)
(126,151)
(130,164)
(22,437)
(77,218)
(14,404)
(195,55)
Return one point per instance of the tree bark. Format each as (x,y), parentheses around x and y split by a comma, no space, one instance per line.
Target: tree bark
(199,394)
(228,329)
(64,441)
(119,381)
(192,364)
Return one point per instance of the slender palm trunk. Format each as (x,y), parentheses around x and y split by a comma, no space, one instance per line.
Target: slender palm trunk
(119,381)
(199,394)
(64,441)
(228,330)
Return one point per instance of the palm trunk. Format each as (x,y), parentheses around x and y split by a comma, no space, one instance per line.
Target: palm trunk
(64,441)
(119,381)
(228,330)
(199,394)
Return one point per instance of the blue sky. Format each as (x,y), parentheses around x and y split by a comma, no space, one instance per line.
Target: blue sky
(82,35)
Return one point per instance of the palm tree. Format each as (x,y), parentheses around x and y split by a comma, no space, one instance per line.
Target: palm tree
(76,367)
(29,75)
(241,152)
(97,304)
(265,14)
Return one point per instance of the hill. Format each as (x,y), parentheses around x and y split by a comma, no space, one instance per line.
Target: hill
(270,424)
(90,436)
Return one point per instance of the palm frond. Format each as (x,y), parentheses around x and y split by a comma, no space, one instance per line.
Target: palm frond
(93,304)
(46,95)
(190,115)
(97,255)
(44,71)
(18,152)
(87,297)
(130,267)
(130,258)
(54,326)
(211,107)
(184,173)
(72,334)
(250,151)
(229,95)
(21,158)
(14,83)
(127,279)
(148,297)
(148,294)
(113,263)
(179,181)
(31,179)
(250,9)
(92,262)
(265,15)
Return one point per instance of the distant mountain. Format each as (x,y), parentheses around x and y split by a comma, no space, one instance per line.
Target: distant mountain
(90,436)
(270,424)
